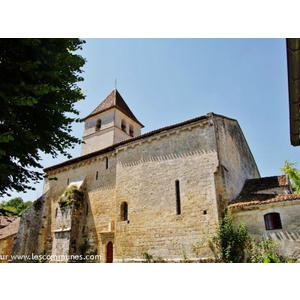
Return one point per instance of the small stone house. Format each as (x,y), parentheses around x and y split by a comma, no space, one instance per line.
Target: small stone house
(270,210)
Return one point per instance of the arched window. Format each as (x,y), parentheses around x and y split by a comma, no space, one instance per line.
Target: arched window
(98,124)
(272,221)
(124,211)
(123,125)
(131,132)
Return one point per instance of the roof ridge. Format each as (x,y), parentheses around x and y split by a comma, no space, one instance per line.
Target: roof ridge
(267,177)
(114,100)
(268,199)
(114,146)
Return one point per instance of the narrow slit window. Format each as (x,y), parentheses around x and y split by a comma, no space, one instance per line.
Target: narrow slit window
(178,202)
(124,211)
(106,163)
(97,175)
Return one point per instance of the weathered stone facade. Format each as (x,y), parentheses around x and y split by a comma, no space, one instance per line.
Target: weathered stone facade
(110,123)
(174,183)
(287,238)
(156,194)
(32,233)
(273,197)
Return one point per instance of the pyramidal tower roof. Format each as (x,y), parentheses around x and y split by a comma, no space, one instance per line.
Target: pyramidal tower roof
(114,100)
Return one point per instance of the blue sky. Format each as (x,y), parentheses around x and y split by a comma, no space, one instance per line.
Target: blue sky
(166,81)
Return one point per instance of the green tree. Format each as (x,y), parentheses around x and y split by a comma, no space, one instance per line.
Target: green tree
(38,91)
(15,206)
(294,175)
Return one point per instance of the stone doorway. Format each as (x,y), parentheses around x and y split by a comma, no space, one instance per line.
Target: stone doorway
(109,252)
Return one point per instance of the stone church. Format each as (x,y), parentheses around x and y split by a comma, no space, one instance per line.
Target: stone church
(157,193)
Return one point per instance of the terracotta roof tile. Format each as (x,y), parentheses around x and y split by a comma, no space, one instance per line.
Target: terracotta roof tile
(258,184)
(11,229)
(251,193)
(5,221)
(110,148)
(260,199)
(145,135)
(114,100)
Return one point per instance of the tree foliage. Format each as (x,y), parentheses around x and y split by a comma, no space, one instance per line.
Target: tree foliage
(38,91)
(231,241)
(71,195)
(294,175)
(234,244)
(15,206)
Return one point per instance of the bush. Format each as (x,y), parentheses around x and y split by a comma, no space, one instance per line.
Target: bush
(231,242)
(237,245)
(71,195)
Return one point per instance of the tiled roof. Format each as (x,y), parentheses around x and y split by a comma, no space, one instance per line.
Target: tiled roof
(11,229)
(259,184)
(5,221)
(145,135)
(260,199)
(110,148)
(114,100)
(251,193)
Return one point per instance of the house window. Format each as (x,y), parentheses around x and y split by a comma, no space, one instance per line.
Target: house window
(178,202)
(131,132)
(272,221)
(98,124)
(124,211)
(123,125)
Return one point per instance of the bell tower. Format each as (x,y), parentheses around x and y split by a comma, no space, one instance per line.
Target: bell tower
(109,123)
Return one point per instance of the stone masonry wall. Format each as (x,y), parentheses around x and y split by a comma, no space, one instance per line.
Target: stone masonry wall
(95,140)
(287,238)
(32,231)
(98,211)
(146,175)
(142,173)
(5,248)
(236,160)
